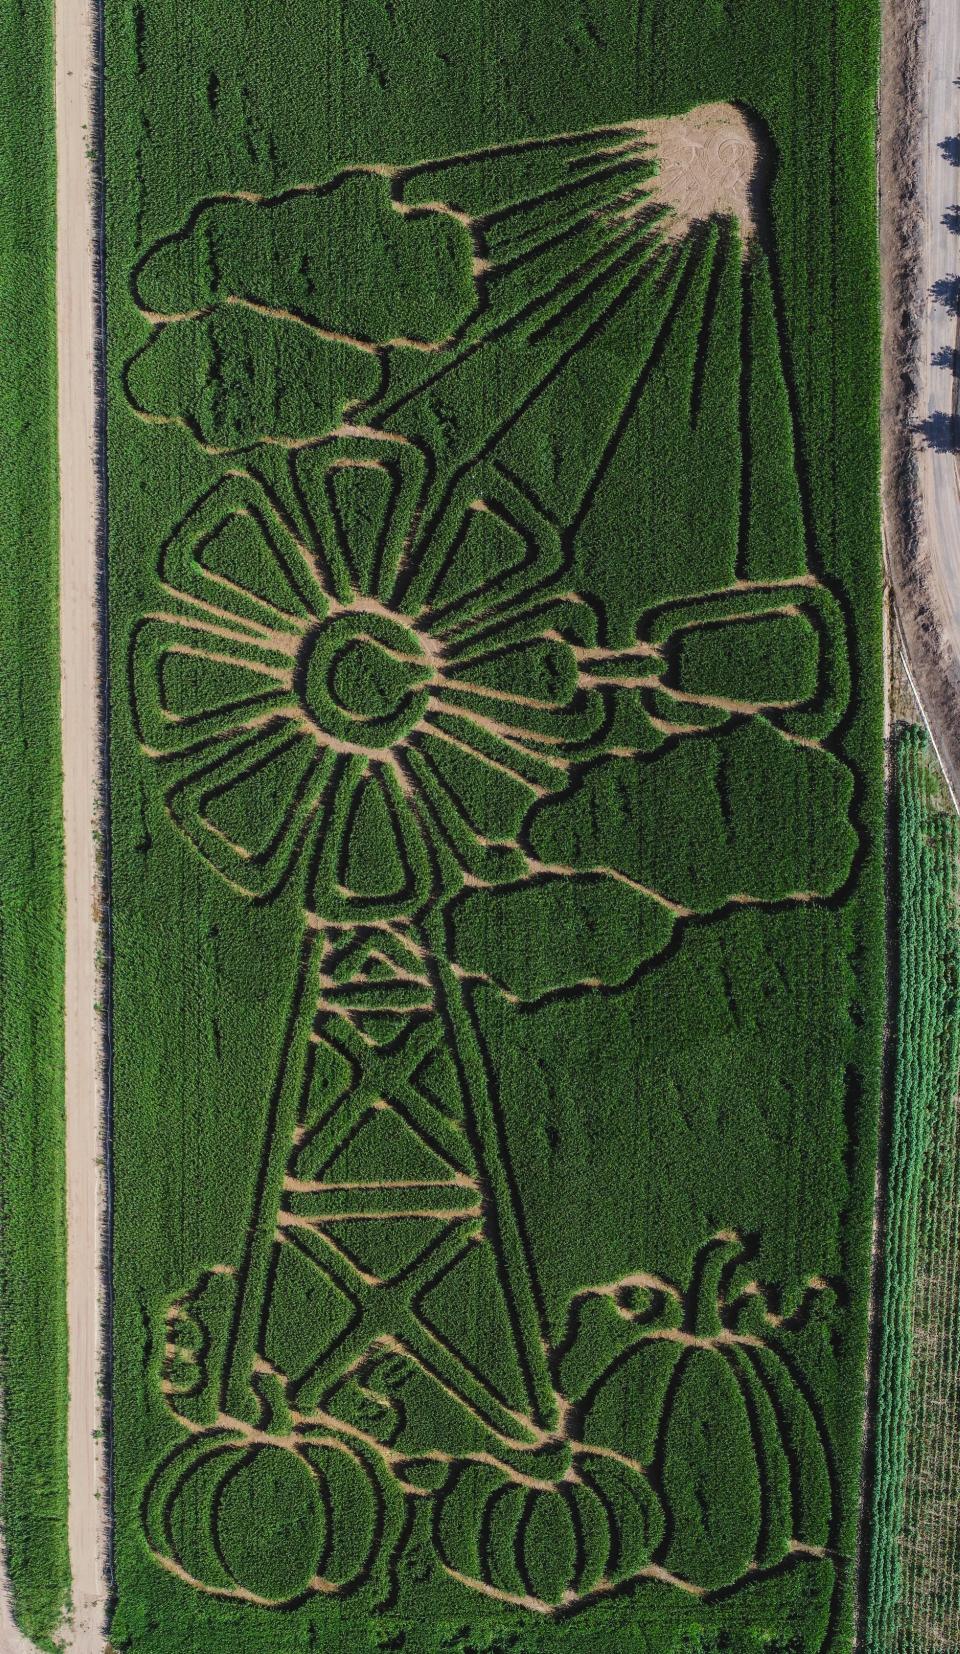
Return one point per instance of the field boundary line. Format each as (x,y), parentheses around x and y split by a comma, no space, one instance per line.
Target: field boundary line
(77,43)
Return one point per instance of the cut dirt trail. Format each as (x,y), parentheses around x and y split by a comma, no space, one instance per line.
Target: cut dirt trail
(75,36)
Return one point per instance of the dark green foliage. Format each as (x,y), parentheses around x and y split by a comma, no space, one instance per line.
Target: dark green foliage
(190,1529)
(545,1542)
(731,1132)
(240,548)
(494,804)
(773,1466)
(761,661)
(810,1475)
(673,475)
(355,1506)
(384,1140)
(710,1482)
(667,625)
(593,1535)
(307,1311)
(626,1408)
(384,1249)
(191,687)
(744,812)
(505,1518)
(466,1309)
(409,276)
(324,1506)
(638,1531)
(373,863)
(274,1559)
(928,849)
(251,811)
(33,1352)
(234,380)
(557,932)
(773,532)
(546,671)
(200,1332)
(548,1545)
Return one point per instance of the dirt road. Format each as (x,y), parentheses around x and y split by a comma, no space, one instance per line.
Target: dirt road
(920,268)
(940,342)
(79,672)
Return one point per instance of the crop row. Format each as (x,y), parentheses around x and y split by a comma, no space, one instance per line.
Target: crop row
(33,1355)
(927,1031)
(928,1609)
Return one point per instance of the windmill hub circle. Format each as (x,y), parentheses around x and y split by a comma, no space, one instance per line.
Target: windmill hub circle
(363,679)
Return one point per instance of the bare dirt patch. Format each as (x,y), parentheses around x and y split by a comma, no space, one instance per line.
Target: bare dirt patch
(712,163)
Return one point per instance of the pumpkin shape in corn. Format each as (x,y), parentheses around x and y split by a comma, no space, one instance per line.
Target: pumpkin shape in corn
(265,1522)
(713,1405)
(548,1544)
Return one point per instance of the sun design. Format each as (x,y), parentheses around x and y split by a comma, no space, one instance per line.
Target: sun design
(314,700)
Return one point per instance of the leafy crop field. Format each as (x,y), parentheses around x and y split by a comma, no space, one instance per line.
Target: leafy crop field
(924,1075)
(33,1353)
(913,1601)
(496,801)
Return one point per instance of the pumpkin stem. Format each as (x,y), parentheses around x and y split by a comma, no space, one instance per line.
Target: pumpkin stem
(276,1418)
(704,1317)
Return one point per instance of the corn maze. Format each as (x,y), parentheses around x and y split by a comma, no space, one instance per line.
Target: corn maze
(496,969)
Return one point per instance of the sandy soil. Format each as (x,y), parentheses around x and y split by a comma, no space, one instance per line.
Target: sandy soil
(711,162)
(79,635)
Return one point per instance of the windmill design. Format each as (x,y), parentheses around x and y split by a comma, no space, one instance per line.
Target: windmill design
(387,644)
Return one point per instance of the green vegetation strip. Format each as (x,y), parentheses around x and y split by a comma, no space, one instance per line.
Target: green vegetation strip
(912,1594)
(33,1355)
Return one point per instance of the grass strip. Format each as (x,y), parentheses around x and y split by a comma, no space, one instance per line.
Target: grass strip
(927,1029)
(33,1339)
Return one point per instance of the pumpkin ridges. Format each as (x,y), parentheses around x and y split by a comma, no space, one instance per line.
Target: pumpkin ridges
(708,1471)
(193,1564)
(274,1563)
(642,1373)
(594,1535)
(551,1558)
(330,1463)
(805,1444)
(457,1538)
(776,1523)
(629,1551)
(498,1538)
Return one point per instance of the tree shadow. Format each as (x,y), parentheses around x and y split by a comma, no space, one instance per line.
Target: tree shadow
(947,357)
(950,150)
(946,291)
(951,219)
(939,431)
